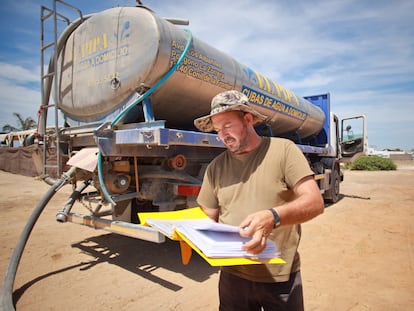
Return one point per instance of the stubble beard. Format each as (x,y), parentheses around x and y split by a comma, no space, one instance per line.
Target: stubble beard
(241,144)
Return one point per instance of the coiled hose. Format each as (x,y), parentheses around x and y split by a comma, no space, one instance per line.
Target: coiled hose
(6,303)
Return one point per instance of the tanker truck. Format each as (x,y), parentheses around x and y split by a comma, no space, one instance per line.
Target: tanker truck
(129,85)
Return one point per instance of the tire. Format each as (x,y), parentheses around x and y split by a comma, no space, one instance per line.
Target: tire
(29,140)
(332,195)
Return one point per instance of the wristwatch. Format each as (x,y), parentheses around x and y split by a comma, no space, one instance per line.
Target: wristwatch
(276,218)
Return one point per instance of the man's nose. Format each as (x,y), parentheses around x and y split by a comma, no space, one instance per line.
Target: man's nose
(224,131)
(223,134)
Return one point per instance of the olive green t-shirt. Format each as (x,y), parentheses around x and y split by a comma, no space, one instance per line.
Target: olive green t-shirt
(239,185)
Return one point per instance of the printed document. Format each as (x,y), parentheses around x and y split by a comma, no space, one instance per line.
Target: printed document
(214,239)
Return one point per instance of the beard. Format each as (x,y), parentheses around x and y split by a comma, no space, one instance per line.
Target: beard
(237,145)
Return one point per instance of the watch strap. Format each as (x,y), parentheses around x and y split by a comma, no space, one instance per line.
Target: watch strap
(276,218)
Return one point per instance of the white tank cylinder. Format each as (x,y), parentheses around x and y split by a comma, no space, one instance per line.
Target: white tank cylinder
(121,50)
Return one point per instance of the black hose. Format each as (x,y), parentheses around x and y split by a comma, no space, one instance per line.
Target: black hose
(62,215)
(6,303)
(49,180)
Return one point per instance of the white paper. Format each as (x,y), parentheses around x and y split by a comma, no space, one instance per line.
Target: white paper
(214,239)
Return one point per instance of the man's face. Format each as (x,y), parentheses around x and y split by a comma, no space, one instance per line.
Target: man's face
(231,127)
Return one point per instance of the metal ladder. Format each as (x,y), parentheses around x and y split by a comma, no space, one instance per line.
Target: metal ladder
(51,137)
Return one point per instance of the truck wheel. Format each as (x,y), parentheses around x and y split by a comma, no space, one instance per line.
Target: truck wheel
(332,195)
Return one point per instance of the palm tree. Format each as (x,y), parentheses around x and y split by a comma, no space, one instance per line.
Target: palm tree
(25,124)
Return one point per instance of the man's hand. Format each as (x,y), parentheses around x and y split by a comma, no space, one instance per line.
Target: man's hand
(258,226)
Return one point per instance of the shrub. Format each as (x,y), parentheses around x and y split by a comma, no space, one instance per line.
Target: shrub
(373,163)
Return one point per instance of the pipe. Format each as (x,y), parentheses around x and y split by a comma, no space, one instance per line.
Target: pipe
(6,299)
(159,83)
(133,104)
(62,215)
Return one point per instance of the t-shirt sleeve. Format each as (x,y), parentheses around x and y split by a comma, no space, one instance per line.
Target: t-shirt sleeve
(297,166)
(207,196)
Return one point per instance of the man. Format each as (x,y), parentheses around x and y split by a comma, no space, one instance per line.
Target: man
(265,186)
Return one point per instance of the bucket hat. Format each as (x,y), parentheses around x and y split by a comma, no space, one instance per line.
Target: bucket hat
(228,101)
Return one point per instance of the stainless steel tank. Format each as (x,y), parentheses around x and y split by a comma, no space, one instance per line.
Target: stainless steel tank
(121,50)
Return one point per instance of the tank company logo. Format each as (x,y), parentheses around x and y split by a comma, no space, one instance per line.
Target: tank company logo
(98,50)
(199,66)
(271,87)
(268,102)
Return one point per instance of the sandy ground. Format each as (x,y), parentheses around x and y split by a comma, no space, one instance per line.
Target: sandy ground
(358,255)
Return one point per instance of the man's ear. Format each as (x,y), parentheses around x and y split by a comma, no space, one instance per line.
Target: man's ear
(248,117)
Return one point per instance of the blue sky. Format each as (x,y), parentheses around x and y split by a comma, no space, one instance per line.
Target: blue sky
(360,51)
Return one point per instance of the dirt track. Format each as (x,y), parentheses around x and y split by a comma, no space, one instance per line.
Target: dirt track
(357,256)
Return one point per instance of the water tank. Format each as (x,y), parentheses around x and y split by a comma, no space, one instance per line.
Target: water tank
(122,50)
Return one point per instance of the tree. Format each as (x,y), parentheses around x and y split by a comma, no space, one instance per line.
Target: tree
(24,124)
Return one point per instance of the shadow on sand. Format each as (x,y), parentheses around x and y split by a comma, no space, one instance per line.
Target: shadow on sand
(342,196)
(137,256)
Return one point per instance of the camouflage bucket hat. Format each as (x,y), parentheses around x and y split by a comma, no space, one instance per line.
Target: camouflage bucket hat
(224,102)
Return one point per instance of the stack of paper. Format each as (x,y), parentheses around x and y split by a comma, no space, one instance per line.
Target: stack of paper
(168,226)
(218,244)
(215,240)
(170,218)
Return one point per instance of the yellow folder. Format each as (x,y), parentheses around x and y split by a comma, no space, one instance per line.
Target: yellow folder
(186,245)
(189,213)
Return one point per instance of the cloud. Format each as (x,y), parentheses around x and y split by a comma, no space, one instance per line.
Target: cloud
(17,98)
(15,73)
(360,52)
